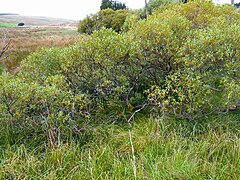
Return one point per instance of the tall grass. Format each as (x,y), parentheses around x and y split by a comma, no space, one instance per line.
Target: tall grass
(204,149)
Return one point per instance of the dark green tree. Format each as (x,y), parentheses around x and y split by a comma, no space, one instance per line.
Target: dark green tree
(106,4)
(237,5)
(112,4)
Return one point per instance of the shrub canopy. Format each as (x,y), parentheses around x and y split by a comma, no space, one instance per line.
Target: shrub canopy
(183,61)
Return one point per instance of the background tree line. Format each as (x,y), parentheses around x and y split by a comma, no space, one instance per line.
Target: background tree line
(115,5)
(113,14)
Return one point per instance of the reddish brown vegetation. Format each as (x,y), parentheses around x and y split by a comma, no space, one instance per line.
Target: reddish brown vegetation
(25,40)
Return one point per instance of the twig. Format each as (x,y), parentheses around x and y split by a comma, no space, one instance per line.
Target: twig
(127,96)
(214,89)
(5,45)
(142,107)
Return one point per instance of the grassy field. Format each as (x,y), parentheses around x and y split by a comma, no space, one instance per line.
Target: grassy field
(5,24)
(150,149)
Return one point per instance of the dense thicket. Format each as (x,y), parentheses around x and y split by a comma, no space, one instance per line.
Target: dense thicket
(183,62)
(107,18)
(118,19)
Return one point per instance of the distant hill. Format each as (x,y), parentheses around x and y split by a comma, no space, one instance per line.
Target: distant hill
(32,20)
(7,14)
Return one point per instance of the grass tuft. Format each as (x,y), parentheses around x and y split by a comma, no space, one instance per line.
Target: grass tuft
(204,149)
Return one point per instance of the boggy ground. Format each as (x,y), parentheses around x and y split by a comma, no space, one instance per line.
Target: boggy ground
(25,40)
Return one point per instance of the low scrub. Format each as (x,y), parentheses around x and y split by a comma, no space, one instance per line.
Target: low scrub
(182,62)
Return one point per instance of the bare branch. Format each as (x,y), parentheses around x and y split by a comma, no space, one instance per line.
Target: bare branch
(141,108)
(214,89)
(127,96)
(5,45)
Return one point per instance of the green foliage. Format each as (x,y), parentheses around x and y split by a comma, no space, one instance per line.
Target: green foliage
(105,66)
(40,99)
(183,61)
(130,22)
(155,4)
(107,18)
(1,68)
(217,63)
(112,4)
(87,25)
(208,14)
(172,59)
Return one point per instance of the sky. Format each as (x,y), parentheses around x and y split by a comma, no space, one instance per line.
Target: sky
(67,9)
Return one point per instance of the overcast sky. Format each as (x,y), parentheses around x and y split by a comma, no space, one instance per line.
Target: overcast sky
(68,9)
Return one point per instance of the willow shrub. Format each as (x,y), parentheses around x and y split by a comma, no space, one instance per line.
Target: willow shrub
(60,89)
(106,66)
(177,62)
(192,57)
(39,99)
(46,108)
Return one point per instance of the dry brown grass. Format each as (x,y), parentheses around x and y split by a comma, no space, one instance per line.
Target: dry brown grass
(27,40)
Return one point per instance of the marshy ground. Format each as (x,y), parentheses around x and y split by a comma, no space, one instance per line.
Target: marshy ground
(25,40)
